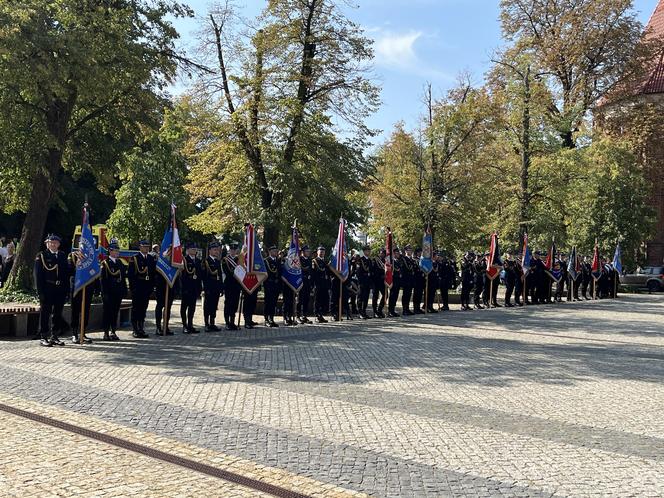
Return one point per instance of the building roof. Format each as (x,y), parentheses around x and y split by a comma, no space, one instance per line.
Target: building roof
(655,29)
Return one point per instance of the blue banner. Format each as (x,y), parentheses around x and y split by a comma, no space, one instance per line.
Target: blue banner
(291,270)
(426,260)
(87,265)
(339,259)
(169,261)
(617,259)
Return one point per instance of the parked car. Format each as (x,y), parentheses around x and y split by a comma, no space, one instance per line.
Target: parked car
(650,277)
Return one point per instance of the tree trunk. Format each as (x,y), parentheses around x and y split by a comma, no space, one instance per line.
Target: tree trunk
(43,185)
(525,157)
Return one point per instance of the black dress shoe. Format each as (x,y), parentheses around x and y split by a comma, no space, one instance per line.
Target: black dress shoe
(248,326)
(214,328)
(159,332)
(185,330)
(114,336)
(393,314)
(192,330)
(321,319)
(496,305)
(431,310)
(272,324)
(45,342)
(55,340)
(231,326)
(305,320)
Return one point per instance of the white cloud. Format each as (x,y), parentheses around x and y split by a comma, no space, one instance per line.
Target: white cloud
(397,52)
(396,49)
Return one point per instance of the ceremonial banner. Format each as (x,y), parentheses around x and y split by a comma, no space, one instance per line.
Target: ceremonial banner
(617,259)
(426,260)
(526,255)
(388,259)
(250,270)
(87,264)
(552,264)
(291,272)
(339,258)
(573,265)
(170,260)
(494,263)
(596,269)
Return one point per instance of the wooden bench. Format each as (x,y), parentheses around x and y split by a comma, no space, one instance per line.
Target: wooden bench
(22,321)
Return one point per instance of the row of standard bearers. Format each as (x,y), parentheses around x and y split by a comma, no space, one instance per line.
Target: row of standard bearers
(339,286)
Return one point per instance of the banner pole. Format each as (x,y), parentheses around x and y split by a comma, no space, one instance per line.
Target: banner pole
(165,318)
(296,296)
(615,284)
(490,293)
(82,318)
(594,288)
(524,288)
(426,293)
(239,310)
(386,296)
(340,296)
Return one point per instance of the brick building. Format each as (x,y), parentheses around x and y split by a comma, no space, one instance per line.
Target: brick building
(641,110)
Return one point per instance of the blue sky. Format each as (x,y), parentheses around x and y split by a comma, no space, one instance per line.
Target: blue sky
(417,41)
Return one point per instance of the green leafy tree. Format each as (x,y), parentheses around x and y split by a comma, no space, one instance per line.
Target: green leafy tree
(153,175)
(72,75)
(277,102)
(585,48)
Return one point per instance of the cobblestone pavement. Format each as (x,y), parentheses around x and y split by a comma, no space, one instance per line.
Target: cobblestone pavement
(564,400)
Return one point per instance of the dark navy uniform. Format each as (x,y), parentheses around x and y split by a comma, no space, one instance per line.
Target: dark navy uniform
(191,284)
(510,281)
(446,281)
(307,285)
(141,282)
(480,273)
(397,265)
(271,288)
(213,286)
(378,277)
(232,290)
(467,279)
(419,281)
(321,278)
(364,272)
(52,279)
(113,290)
(407,282)
(160,293)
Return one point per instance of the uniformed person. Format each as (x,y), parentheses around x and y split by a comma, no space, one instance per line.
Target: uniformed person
(586,277)
(446,280)
(480,273)
(365,280)
(397,269)
(77,301)
(213,285)
(161,284)
(407,280)
(510,278)
(113,290)
(467,279)
(419,281)
(307,285)
(272,286)
(191,284)
(321,278)
(232,287)
(518,284)
(378,287)
(52,279)
(141,281)
(433,283)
